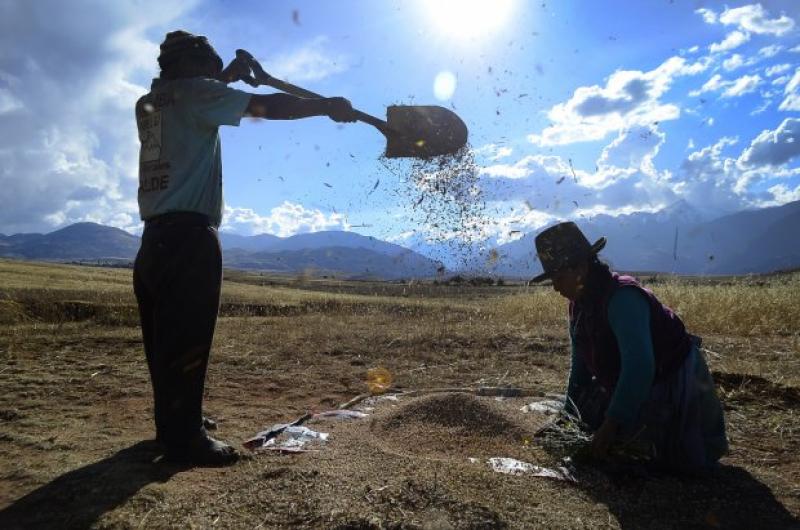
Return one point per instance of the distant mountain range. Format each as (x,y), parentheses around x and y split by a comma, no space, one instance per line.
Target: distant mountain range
(332,252)
(80,241)
(677,239)
(344,254)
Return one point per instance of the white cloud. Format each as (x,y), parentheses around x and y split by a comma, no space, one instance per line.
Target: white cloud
(783,194)
(768,52)
(733,62)
(744,85)
(777,69)
(285,220)
(730,88)
(707,178)
(755,19)
(709,16)
(782,80)
(512,227)
(791,100)
(494,152)
(520,169)
(736,60)
(70,147)
(402,237)
(503,152)
(312,62)
(626,179)
(9,102)
(714,83)
(629,98)
(774,148)
(796,49)
(733,40)
(633,149)
(761,108)
(722,183)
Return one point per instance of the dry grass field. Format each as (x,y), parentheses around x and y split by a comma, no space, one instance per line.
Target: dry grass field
(76,445)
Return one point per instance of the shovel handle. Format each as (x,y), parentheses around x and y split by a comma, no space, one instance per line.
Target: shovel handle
(260,77)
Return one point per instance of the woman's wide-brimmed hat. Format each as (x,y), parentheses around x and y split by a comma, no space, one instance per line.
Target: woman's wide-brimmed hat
(563,246)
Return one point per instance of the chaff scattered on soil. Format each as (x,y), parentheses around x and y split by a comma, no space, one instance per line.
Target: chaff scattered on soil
(565,436)
(568,437)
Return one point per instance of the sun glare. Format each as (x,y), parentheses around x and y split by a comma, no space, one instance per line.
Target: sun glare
(468,18)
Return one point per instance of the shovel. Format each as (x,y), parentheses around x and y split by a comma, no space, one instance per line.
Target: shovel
(410,131)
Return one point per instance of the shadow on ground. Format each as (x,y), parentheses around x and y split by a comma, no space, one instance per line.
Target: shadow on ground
(728,498)
(79,498)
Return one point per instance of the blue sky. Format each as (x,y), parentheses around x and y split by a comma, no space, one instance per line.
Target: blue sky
(638,104)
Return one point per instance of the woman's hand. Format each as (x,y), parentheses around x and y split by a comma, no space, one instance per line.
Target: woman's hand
(604,437)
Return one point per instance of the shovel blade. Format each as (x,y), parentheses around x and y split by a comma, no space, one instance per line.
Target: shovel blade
(423,131)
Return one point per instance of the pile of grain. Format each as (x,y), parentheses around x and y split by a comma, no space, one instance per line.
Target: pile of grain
(451,425)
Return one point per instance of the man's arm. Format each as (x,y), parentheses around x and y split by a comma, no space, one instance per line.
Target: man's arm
(288,107)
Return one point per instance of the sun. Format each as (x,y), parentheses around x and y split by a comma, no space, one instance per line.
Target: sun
(467,19)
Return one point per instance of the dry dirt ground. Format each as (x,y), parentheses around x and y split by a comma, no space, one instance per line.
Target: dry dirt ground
(76,445)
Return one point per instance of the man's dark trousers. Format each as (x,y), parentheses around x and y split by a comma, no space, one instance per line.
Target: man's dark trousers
(177,278)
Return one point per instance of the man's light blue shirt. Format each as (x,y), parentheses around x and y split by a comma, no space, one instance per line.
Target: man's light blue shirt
(180,162)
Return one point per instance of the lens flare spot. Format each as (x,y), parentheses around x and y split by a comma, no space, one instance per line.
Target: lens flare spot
(379,380)
(444,85)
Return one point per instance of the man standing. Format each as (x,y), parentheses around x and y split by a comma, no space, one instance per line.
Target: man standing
(178,270)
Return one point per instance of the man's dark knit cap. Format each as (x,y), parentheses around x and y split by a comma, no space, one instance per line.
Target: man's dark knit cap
(181,43)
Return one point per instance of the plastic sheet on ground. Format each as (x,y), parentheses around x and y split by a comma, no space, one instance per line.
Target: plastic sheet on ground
(296,437)
(552,406)
(511,466)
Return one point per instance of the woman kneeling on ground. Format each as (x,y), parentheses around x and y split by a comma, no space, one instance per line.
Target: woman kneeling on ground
(636,372)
